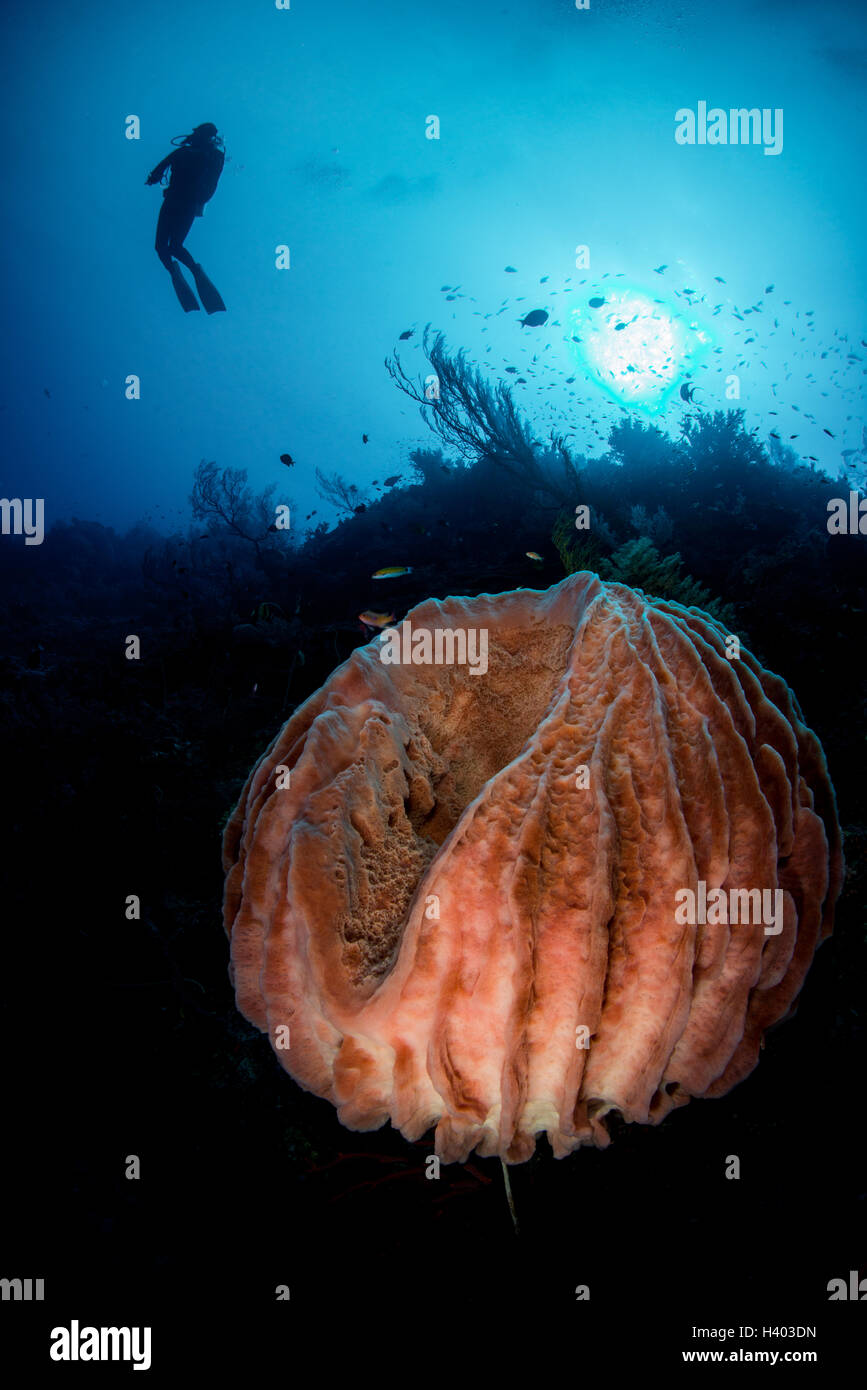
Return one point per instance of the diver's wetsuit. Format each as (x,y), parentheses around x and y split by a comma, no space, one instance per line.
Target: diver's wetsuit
(195,171)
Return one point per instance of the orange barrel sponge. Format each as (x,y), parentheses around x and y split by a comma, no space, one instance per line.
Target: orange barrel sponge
(529,859)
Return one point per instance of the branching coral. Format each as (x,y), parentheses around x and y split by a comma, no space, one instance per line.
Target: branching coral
(221,496)
(343,495)
(479,418)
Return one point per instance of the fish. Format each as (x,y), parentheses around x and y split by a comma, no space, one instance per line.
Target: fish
(46,392)
(768,289)
(511,270)
(535,318)
(392,572)
(288,460)
(359,509)
(365,438)
(372,619)
(264,612)
(408,334)
(619,326)
(532,555)
(719,279)
(596,303)
(660,269)
(395,478)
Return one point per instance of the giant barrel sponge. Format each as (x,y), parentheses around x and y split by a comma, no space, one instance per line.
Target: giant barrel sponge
(460,898)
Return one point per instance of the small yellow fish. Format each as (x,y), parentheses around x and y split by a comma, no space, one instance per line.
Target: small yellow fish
(531,555)
(371,619)
(392,571)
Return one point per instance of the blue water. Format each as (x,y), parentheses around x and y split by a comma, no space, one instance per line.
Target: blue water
(556,129)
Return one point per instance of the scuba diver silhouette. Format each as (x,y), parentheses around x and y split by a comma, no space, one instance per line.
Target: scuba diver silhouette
(196,165)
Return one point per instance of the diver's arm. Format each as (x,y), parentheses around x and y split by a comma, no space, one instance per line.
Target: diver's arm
(156,174)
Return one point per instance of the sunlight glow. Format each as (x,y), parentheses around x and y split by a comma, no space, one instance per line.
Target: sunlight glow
(636,347)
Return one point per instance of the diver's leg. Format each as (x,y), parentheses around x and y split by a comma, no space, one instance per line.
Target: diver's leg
(164,234)
(168,225)
(182,222)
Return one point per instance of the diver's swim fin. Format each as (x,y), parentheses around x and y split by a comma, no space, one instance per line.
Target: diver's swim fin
(208,293)
(186,298)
